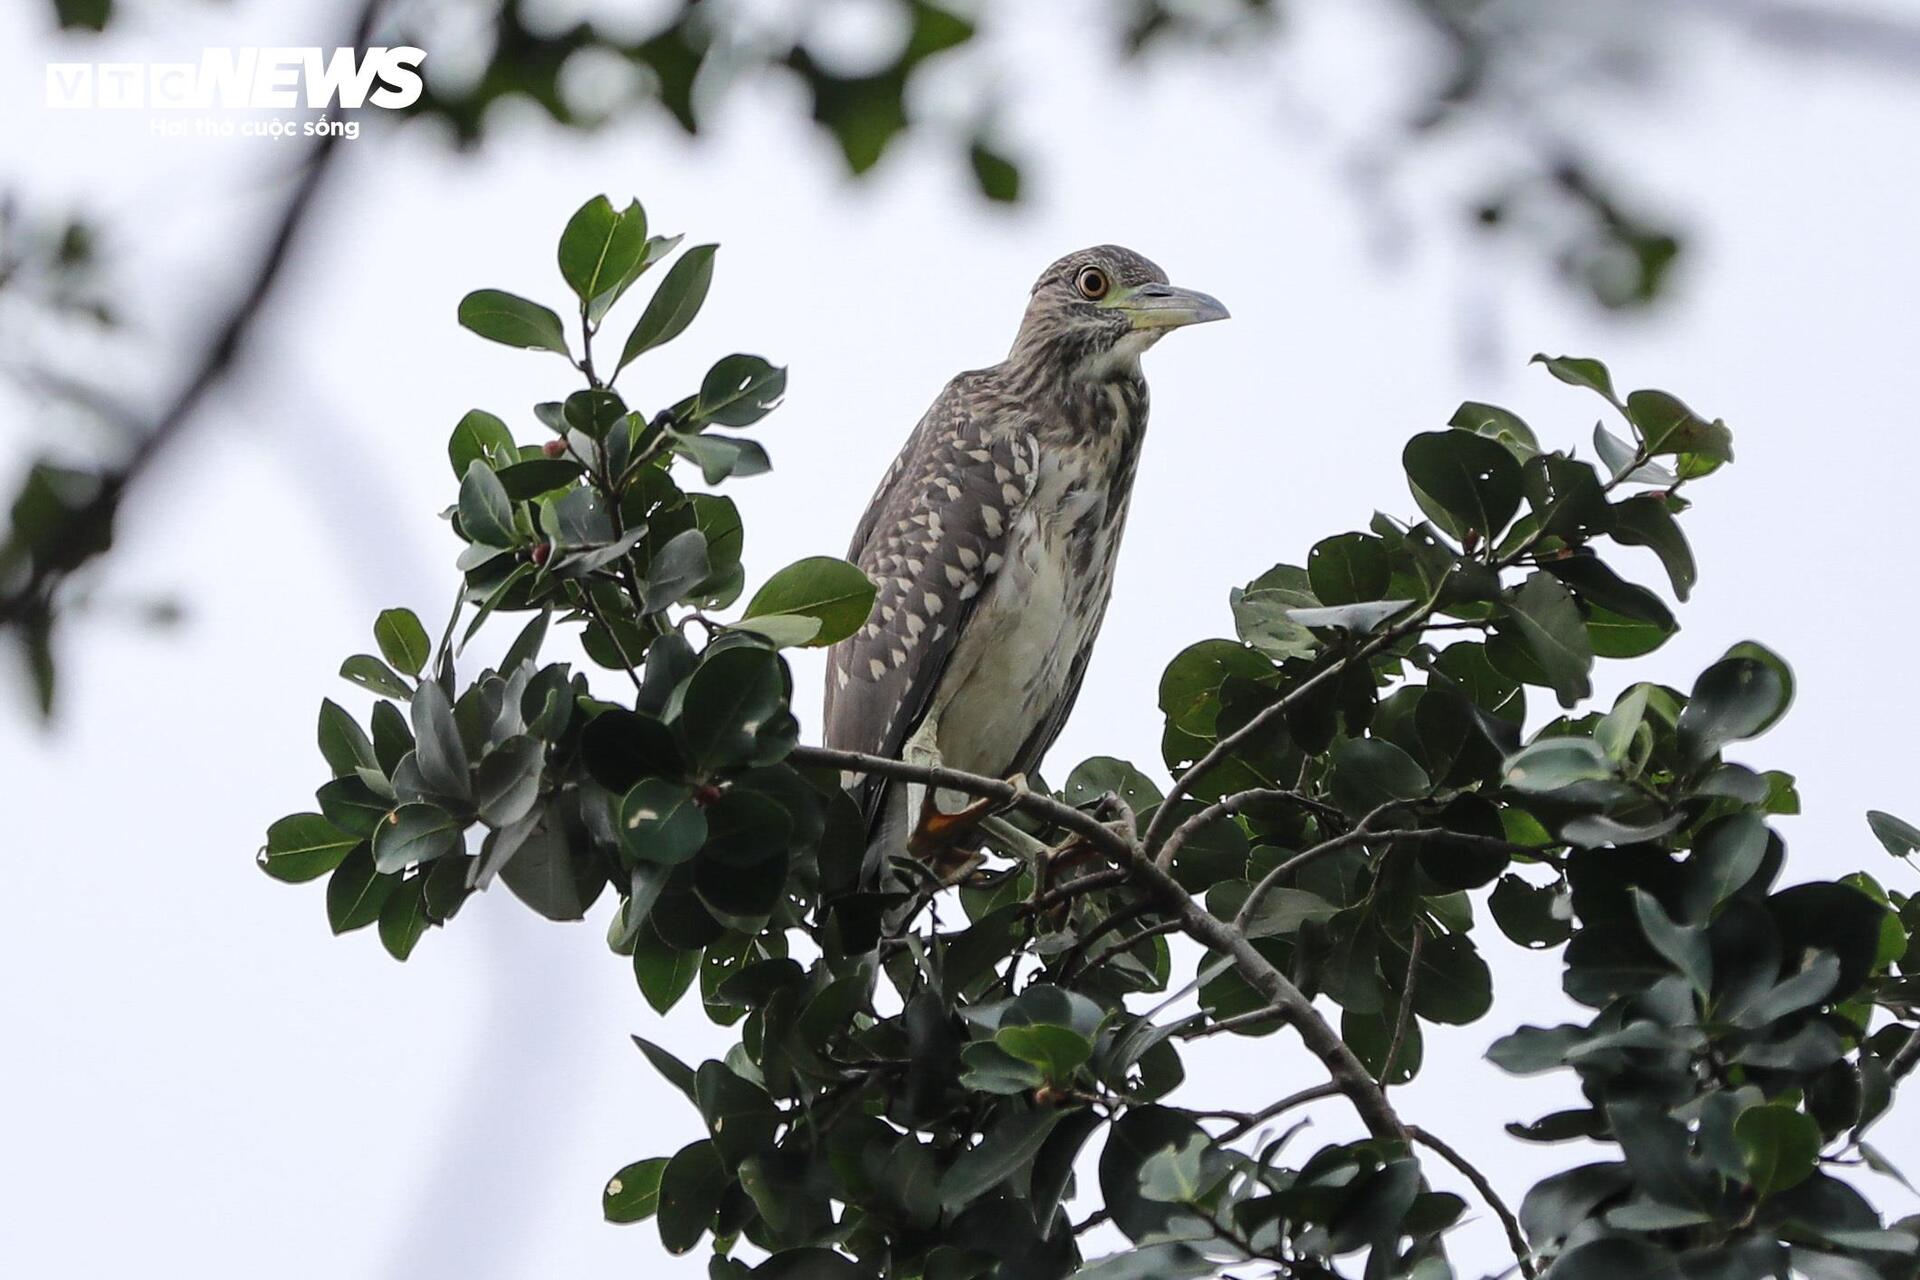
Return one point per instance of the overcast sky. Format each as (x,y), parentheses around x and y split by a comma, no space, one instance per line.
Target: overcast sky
(200,1079)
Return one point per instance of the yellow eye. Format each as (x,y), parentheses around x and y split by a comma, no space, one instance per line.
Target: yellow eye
(1092,283)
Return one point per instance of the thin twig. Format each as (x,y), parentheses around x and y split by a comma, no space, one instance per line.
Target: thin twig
(1228,807)
(1364,830)
(1118,920)
(1131,941)
(1405,1018)
(1248,1123)
(1515,1239)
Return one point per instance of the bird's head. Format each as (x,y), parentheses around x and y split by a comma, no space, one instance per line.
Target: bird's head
(1093,312)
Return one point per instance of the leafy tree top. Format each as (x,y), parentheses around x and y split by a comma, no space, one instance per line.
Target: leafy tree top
(923,1075)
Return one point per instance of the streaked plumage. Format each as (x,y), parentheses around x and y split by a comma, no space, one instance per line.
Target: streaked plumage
(993,538)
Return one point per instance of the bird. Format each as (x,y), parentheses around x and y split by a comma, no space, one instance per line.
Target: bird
(992,540)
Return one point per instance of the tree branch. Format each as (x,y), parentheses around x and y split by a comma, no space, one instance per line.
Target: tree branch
(1515,1239)
(1289,1003)
(1228,807)
(1081,823)
(87,525)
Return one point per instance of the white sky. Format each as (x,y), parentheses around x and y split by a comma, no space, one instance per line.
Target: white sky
(201,1080)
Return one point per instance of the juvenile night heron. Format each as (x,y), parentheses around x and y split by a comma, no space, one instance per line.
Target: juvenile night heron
(992,538)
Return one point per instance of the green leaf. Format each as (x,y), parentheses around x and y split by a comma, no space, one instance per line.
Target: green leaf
(1057,1051)
(1549,624)
(1369,772)
(374,676)
(673,305)
(1348,568)
(676,569)
(671,1069)
(403,918)
(480,437)
(740,1115)
(507,784)
(343,743)
(303,846)
(663,972)
(1498,424)
(357,891)
(353,806)
(513,320)
(486,513)
(691,1186)
(1668,427)
(439,753)
(537,476)
(1899,837)
(402,640)
(1779,1145)
(739,391)
(1553,763)
(1726,855)
(1580,372)
(1684,946)
(731,701)
(1452,984)
(837,594)
(1532,915)
(1008,1148)
(1615,732)
(415,833)
(782,630)
(660,823)
(719,457)
(600,248)
(1645,522)
(1734,699)
(1465,482)
(988,1068)
(633,1194)
(633,226)
(997,177)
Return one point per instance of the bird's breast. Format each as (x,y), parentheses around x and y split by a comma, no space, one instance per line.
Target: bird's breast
(1022,647)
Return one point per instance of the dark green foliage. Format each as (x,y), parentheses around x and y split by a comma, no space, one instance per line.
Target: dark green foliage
(911,1095)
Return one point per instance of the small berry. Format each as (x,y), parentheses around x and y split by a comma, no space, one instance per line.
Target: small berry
(542,551)
(555,448)
(705,794)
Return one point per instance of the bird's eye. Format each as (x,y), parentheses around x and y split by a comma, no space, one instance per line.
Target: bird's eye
(1092,283)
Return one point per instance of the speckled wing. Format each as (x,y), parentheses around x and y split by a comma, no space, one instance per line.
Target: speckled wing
(932,538)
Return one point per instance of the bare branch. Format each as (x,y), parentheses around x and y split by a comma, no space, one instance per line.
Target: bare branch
(1083,824)
(1291,1005)
(70,548)
(1228,807)
(1515,1239)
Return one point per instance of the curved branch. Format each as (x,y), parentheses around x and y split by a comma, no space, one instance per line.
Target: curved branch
(1289,1003)
(1230,806)
(85,526)
(1515,1239)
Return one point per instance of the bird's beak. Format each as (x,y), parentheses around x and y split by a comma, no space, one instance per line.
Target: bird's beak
(1165,306)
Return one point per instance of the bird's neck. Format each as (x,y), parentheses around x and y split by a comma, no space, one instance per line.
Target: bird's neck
(1082,394)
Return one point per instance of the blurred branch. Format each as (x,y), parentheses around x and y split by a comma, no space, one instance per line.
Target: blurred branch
(1823,28)
(40,561)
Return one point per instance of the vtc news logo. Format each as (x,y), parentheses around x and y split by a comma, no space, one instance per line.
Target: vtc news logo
(243,79)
